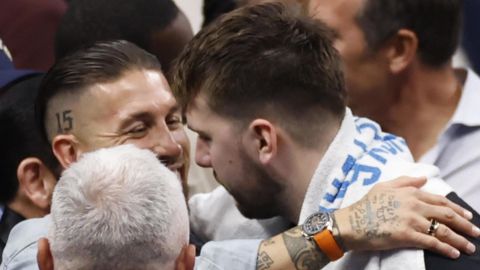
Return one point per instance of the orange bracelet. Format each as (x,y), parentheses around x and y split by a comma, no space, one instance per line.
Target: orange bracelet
(328,245)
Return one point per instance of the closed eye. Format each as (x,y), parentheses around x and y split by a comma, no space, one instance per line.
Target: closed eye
(138,130)
(174,121)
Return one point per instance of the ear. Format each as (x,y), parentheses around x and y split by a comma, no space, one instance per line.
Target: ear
(44,255)
(37,182)
(401,50)
(186,259)
(263,134)
(65,148)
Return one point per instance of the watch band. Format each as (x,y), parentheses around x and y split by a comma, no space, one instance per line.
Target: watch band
(328,245)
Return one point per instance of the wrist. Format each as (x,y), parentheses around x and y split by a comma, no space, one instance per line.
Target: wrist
(342,231)
(318,228)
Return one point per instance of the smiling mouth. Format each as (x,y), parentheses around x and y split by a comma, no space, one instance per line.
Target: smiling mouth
(176,167)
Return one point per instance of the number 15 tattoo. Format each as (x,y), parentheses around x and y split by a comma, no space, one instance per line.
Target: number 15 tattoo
(64,121)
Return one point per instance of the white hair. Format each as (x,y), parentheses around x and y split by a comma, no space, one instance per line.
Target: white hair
(118,208)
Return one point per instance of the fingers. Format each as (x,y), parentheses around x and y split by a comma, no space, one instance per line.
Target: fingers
(405,181)
(449,217)
(447,236)
(433,244)
(442,201)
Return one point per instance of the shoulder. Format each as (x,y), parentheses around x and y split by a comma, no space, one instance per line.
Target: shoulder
(219,206)
(21,249)
(230,254)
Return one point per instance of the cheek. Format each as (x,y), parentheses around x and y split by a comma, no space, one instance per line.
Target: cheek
(357,69)
(143,143)
(351,47)
(351,56)
(223,163)
(217,160)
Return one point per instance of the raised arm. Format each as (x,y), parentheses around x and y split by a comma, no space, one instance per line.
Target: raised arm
(394,214)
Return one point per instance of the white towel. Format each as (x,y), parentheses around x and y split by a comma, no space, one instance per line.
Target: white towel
(360,156)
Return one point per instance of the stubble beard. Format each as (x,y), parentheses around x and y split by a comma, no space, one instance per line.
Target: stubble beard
(260,202)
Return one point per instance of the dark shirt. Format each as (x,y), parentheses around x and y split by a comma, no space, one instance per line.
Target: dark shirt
(8,220)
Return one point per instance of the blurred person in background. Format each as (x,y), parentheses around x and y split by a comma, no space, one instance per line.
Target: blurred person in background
(397,59)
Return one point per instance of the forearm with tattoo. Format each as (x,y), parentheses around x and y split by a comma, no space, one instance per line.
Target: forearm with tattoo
(290,250)
(264,261)
(381,220)
(304,254)
(361,226)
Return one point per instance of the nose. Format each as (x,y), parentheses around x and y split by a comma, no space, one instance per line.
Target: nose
(167,149)
(202,154)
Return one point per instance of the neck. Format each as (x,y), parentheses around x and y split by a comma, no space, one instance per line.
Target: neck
(298,167)
(425,100)
(25,209)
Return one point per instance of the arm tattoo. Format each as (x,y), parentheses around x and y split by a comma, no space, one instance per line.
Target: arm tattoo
(264,261)
(304,254)
(268,242)
(375,216)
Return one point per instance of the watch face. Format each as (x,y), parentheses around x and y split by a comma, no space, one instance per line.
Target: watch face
(316,223)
